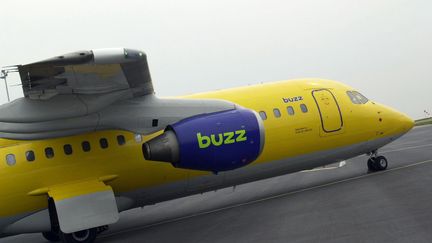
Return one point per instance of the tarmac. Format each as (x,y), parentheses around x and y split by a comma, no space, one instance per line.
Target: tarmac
(340,203)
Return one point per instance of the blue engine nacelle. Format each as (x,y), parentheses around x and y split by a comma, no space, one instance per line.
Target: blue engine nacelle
(214,142)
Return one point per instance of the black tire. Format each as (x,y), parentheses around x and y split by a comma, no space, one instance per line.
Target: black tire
(380,163)
(51,236)
(84,236)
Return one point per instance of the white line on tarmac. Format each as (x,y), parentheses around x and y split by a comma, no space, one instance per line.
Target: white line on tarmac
(422,126)
(343,163)
(406,148)
(264,199)
(340,164)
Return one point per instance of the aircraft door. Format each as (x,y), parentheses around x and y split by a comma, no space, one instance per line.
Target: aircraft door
(329,110)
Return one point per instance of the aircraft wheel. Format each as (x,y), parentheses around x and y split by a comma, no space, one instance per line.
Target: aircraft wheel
(83,236)
(51,236)
(381,163)
(377,163)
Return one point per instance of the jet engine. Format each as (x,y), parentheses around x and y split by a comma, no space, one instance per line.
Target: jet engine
(213,142)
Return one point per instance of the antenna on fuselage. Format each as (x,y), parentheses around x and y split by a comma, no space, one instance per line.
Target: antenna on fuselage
(3,75)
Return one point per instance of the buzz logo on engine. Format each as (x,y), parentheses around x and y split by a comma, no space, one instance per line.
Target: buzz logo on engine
(222,138)
(214,142)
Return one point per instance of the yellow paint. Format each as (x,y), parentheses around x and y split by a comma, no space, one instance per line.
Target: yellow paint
(89,187)
(39,192)
(288,136)
(103,71)
(107,178)
(329,109)
(73,189)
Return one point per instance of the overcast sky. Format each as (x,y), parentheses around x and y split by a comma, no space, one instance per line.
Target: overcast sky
(383,48)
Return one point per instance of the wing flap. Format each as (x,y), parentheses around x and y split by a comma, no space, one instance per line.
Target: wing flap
(84,205)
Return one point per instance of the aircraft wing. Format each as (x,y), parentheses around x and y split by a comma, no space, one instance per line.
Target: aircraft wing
(93,90)
(87,72)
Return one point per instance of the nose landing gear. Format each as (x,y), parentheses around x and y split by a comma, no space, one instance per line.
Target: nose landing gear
(376,163)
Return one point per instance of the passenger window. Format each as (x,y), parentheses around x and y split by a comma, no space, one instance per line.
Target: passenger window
(290,110)
(121,140)
(85,146)
(67,149)
(303,108)
(103,143)
(276,112)
(10,159)
(263,115)
(30,156)
(49,152)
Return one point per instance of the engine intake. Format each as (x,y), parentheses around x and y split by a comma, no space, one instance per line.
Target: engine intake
(214,142)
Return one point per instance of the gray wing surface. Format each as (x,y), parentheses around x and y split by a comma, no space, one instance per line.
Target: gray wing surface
(87,72)
(94,90)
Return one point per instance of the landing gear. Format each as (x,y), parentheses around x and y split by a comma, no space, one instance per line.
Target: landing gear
(376,163)
(83,236)
(56,235)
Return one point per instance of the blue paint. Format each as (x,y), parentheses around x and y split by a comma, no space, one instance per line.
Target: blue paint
(218,141)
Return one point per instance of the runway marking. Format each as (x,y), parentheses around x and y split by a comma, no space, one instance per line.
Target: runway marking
(262,199)
(406,148)
(422,126)
(340,164)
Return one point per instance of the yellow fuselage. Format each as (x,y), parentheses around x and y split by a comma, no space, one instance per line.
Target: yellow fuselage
(287,136)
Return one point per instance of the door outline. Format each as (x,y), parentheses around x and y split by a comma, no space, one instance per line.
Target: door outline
(321,116)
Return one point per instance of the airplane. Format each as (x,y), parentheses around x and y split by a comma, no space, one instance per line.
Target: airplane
(90,139)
